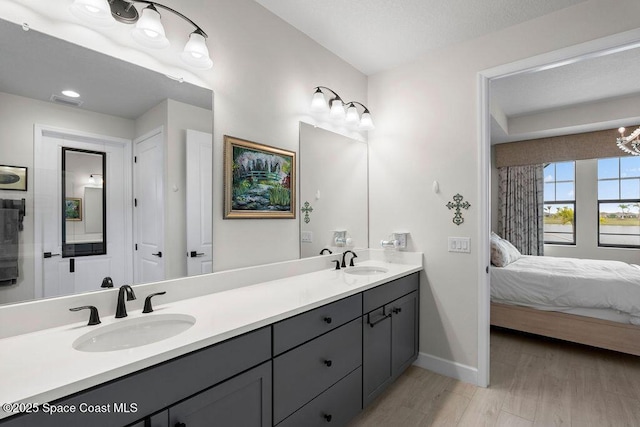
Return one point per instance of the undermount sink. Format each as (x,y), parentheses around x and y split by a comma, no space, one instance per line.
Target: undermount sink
(135,332)
(365,270)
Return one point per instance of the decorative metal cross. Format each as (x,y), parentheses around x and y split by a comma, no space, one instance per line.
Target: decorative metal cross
(457,218)
(306,209)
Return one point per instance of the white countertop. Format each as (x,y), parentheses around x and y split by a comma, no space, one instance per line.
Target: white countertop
(43,366)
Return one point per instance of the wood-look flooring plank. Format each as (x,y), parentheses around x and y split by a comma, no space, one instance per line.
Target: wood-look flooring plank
(524,394)
(505,419)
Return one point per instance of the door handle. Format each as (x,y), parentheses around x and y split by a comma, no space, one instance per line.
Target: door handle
(159,254)
(194,254)
(49,255)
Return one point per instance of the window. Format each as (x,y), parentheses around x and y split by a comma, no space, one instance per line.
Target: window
(560,203)
(619,202)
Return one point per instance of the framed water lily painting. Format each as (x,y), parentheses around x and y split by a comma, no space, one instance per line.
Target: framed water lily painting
(259,180)
(13,178)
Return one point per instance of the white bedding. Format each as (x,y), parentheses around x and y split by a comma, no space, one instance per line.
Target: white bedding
(565,283)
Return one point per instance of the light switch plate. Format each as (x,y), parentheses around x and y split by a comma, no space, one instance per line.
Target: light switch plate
(459,244)
(306,236)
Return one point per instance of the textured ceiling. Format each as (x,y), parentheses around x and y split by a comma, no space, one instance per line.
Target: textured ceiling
(375,35)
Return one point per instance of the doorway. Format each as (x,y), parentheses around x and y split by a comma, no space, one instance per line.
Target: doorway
(592,49)
(64,267)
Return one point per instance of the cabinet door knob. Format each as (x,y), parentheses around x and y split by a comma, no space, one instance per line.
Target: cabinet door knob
(328,363)
(328,320)
(397,310)
(180,425)
(328,417)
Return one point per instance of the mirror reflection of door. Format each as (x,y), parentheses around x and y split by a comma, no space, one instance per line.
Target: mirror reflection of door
(199,203)
(83,221)
(149,207)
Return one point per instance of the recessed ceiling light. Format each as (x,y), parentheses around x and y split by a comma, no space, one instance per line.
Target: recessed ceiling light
(71,93)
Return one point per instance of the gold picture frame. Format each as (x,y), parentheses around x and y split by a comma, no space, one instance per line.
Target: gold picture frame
(73,209)
(259,180)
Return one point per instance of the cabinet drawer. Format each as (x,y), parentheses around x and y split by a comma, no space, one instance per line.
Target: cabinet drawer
(303,373)
(300,329)
(337,406)
(383,294)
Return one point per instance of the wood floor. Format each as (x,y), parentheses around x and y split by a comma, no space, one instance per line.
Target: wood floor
(534,382)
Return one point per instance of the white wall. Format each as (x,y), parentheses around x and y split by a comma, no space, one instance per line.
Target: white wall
(427,129)
(17,118)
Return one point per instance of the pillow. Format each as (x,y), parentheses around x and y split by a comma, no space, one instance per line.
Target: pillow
(503,252)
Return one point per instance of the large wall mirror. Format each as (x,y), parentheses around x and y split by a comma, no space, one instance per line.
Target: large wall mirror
(108,192)
(334,195)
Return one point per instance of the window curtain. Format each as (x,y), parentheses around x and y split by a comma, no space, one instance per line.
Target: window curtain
(520,207)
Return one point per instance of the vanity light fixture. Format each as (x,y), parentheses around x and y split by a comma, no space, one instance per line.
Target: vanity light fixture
(336,108)
(148,30)
(629,144)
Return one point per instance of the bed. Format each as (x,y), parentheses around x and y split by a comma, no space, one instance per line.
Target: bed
(593,302)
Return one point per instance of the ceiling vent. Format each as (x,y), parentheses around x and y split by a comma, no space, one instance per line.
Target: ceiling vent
(65,101)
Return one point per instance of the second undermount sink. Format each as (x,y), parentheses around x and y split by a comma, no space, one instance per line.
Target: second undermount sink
(134,332)
(366,270)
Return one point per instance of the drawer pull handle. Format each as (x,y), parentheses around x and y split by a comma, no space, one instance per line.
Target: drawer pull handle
(397,310)
(328,417)
(328,320)
(328,363)
(378,321)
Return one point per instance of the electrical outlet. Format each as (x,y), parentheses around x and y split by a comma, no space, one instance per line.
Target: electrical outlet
(459,244)
(306,237)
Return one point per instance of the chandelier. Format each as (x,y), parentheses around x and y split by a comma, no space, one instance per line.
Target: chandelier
(629,144)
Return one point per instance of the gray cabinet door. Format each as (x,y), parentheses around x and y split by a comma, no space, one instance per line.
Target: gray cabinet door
(241,401)
(376,353)
(404,332)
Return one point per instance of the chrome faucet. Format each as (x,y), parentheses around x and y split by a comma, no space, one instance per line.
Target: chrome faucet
(344,256)
(121,309)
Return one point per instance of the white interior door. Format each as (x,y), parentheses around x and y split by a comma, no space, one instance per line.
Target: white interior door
(199,203)
(62,276)
(148,208)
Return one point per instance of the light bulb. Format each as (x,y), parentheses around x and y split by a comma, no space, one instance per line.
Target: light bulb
(149,31)
(365,121)
(337,109)
(196,53)
(352,115)
(95,12)
(318,103)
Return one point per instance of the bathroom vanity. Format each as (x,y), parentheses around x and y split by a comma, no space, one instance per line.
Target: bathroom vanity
(316,364)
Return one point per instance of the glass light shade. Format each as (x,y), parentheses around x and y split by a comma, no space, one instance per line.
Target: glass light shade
(196,53)
(318,103)
(95,12)
(149,31)
(337,109)
(365,122)
(352,115)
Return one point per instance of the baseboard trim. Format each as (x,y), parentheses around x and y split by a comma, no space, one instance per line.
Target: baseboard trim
(464,373)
